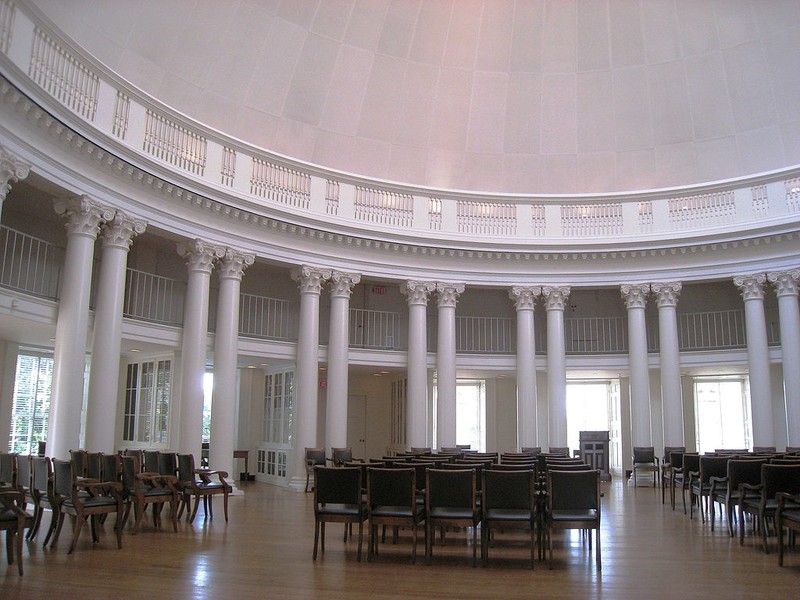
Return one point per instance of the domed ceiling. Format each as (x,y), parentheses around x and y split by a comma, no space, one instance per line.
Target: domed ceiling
(531,96)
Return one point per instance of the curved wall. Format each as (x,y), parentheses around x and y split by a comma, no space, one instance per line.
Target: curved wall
(548,96)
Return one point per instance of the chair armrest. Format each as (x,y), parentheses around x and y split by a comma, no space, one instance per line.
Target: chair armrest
(205,474)
(786,500)
(718,483)
(157,479)
(99,485)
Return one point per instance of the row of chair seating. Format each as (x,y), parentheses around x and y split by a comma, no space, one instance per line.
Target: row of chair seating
(459,495)
(92,485)
(763,485)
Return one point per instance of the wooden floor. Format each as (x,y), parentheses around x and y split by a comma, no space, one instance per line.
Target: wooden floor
(264,551)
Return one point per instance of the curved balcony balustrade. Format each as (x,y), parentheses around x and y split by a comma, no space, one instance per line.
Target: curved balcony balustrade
(249,181)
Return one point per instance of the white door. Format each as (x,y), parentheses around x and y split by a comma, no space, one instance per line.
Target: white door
(357,425)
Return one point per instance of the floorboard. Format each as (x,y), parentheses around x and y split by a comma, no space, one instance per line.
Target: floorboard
(648,551)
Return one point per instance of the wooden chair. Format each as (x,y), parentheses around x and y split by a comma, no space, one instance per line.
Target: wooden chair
(150,461)
(168,463)
(725,490)
(451,501)
(43,497)
(94,465)
(558,450)
(338,499)
(787,516)
(508,502)
(666,467)
(143,488)
(680,477)
(700,482)
(8,470)
(645,459)
(14,520)
(314,457)
(764,505)
(392,500)
(102,498)
(199,483)
(340,456)
(573,502)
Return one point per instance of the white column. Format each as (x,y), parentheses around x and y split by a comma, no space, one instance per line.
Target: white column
(11,170)
(555,298)
(341,286)
(310,280)
(417,293)
(200,257)
(671,397)
(755,322)
(525,301)
(101,408)
(635,296)
(786,288)
(447,294)
(230,269)
(84,217)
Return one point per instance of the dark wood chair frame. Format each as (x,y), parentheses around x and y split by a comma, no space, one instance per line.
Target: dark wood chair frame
(338,498)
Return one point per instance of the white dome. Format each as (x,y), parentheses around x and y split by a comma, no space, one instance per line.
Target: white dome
(529,96)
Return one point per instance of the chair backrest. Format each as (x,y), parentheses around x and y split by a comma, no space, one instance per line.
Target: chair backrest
(24,472)
(391,487)
(63,477)
(315,456)
(508,489)
(780,478)
(562,450)
(420,449)
(341,456)
(573,490)
(186,467)
(168,463)
(111,467)
(337,485)
(676,459)
(764,449)
(78,458)
(713,466)
(644,455)
(42,474)
(130,468)
(668,450)
(150,464)
(135,452)
(94,465)
(531,449)
(691,462)
(452,488)
(8,468)
(744,471)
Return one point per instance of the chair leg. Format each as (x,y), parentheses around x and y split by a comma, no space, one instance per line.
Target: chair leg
(225,505)
(190,517)
(316,540)
(56,523)
(76,532)
(599,563)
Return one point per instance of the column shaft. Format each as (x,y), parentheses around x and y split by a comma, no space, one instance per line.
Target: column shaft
(635,299)
(200,260)
(306,403)
(786,287)
(226,355)
(671,396)
(338,348)
(446,364)
(101,407)
(527,428)
(555,299)
(417,293)
(69,358)
(752,289)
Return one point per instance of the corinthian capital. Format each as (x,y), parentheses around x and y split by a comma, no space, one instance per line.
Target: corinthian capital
(342,283)
(666,293)
(555,296)
(200,255)
(120,231)
(635,294)
(12,170)
(84,215)
(785,282)
(310,279)
(524,297)
(233,264)
(448,294)
(751,286)
(417,292)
